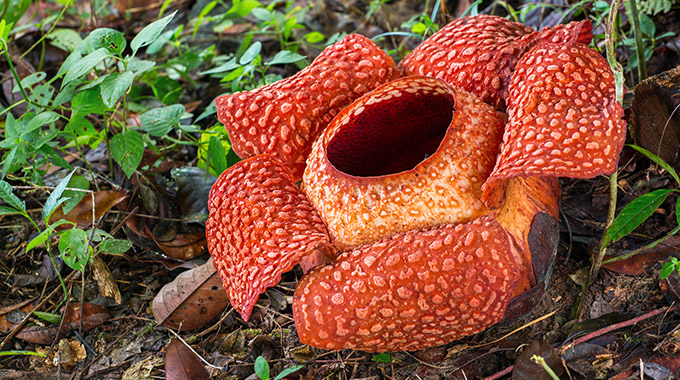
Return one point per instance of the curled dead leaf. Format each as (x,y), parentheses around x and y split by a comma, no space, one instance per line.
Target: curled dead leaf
(191,300)
(181,363)
(104,200)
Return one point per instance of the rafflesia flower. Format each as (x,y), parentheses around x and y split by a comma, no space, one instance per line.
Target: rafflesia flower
(422,203)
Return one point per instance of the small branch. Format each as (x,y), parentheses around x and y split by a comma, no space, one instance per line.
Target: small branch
(23,322)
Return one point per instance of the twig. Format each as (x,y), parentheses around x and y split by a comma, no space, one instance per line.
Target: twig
(23,322)
(562,349)
(615,326)
(195,353)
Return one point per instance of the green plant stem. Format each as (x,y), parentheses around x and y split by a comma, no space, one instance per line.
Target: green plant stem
(4,9)
(637,31)
(546,367)
(597,261)
(14,72)
(61,14)
(643,248)
(613,179)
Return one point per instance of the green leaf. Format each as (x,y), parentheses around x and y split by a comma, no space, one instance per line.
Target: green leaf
(677,211)
(314,37)
(55,199)
(250,54)
(384,357)
(30,80)
(166,90)
(114,86)
(9,165)
(53,157)
(150,33)
(74,248)
(74,196)
(88,102)
(262,368)
(634,214)
(8,196)
(139,66)
(127,149)
(666,270)
(658,161)
(288,371)
(647,25)
(218,157)
(84,65)
(285,56)
(43,236)
(14,10)
(4,210)
(64,39)
(71,60)
(242,8)
(160,121)
(106,38)
(48,317)
(115,246)
(40,120)
(65,94)
(227,66)
(17,352)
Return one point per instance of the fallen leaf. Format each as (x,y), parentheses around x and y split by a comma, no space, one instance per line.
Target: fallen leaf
(193,187)
(638,264)
(104,200)
(46,272)
(525,368)
(591,325)
(184,246)
(142,369)
(105,281)
(11,315)
(192,299)
(182,364)
(92,315)
(70,352)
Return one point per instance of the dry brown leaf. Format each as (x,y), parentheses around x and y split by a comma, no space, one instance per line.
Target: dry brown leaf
(6,324)
(184,246)
(182,364)
(92,314)
(104,200)
(192,299)
(105,281)
(638,264)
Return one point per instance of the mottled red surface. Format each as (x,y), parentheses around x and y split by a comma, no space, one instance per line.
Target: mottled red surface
(564,119)
(479,53)
(284,118)
(411,154)
(419,289)
(398,162)
(260,226)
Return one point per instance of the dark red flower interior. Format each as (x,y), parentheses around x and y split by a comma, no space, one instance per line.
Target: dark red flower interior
(393,134)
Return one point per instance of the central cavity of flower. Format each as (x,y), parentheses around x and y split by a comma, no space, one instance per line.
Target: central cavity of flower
(393,136)
(411,154)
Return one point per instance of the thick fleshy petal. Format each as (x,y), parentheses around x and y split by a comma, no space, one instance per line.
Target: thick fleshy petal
(409,155)
(479,53)
(284,118)
(260,226)
(564,120)
(415,290)
(516,202)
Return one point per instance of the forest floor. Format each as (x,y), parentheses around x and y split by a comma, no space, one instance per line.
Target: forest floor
(117,317)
